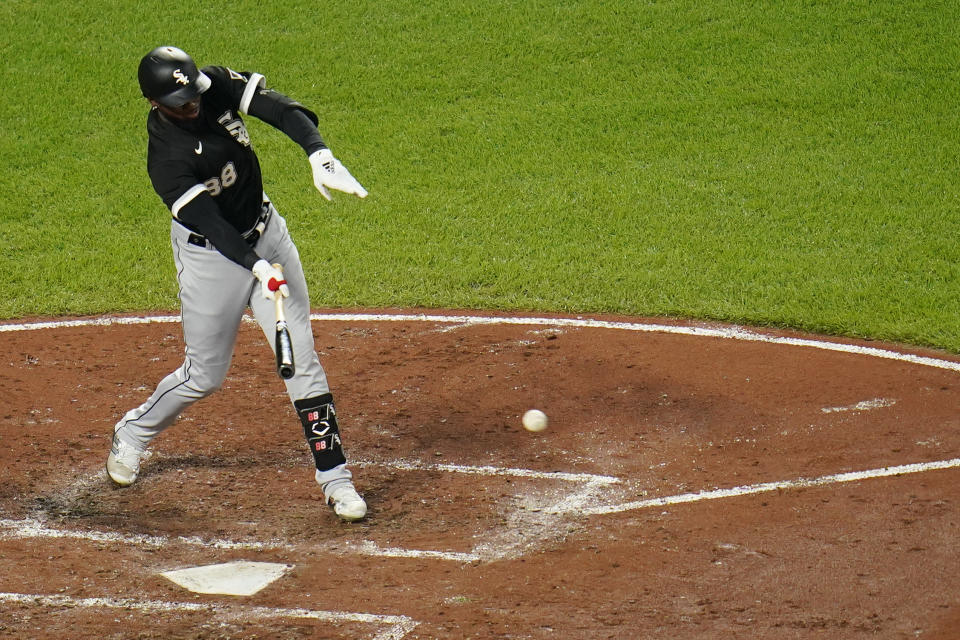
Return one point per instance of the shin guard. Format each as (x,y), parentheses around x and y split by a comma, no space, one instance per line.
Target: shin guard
(320,428)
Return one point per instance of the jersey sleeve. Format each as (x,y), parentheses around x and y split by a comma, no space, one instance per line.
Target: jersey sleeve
(203,214)
(251,96)
(192,205)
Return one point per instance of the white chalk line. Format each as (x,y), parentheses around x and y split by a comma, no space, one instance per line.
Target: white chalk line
(369,548)
(103,321)
(865,405)
(730,333)
(576,504)
(32,528)
(414,465)
(538,519)
(767,487)
(36,528)
(400,626)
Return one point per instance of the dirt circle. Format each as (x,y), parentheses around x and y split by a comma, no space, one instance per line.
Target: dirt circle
(695,481)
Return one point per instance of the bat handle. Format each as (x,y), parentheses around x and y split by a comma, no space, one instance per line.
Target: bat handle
(278,298)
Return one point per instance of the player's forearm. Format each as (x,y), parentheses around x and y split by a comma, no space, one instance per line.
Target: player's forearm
(219,233)
(301,130)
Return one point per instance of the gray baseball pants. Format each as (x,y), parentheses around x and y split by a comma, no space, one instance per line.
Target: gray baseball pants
(214,295)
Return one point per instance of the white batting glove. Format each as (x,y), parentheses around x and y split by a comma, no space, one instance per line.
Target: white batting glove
(328,172)
(271,280)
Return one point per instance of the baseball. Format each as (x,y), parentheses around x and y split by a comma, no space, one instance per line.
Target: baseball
(534,420)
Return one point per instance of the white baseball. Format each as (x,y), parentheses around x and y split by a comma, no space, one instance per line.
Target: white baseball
(534,420)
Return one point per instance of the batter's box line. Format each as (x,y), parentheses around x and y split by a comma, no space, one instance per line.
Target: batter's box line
(414,465)
(767,487)
(35,529)
(397,626)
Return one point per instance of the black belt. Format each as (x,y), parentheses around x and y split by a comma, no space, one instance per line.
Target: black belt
(251,236)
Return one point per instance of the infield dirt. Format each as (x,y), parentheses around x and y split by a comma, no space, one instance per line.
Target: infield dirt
(476,527)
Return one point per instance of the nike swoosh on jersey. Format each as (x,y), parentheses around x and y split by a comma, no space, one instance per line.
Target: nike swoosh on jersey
(199,148)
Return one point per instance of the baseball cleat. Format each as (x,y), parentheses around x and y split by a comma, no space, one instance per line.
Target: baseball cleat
(123,463)
(346,502)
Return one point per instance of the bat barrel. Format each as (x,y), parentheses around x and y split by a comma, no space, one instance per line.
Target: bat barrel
(284,352)
(285,366)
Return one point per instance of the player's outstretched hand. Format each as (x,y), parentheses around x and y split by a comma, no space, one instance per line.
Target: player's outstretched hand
(328,172)
(271,280)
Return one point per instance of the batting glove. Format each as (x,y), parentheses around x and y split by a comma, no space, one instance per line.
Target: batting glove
(271,280)
(328,172)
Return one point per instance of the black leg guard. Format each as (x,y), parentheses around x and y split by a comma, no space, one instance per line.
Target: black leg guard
(319,420)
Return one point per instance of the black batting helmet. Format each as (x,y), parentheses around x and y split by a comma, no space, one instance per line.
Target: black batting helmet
(169,76)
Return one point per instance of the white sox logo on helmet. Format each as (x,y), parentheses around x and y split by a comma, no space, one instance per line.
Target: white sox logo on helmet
(181,77)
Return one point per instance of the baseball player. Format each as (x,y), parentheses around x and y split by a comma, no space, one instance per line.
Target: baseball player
(226,237)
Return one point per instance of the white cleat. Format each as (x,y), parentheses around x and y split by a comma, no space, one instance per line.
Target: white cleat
(346,502)
(123,463)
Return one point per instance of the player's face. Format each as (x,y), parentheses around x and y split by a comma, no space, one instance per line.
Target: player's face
(186,111)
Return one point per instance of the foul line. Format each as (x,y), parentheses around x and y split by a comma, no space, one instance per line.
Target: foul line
(731,333)
(767,487)
(399,626)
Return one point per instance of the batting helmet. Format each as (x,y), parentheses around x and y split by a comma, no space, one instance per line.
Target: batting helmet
(169,76)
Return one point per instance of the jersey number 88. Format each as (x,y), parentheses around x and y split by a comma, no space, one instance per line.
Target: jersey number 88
(228,176)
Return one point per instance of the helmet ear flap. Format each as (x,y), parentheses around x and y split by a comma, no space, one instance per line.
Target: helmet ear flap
(170,76)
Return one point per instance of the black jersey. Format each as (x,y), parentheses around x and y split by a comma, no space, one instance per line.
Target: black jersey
(205,170)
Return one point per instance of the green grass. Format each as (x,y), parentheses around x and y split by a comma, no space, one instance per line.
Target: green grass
(789,164)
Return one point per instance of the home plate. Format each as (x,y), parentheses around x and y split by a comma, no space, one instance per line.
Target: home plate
(238,578)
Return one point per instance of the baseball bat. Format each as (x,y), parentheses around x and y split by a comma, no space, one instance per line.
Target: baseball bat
(285,365)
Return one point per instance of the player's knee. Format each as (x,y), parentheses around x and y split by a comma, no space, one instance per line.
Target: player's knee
(206,380)
(319,418)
